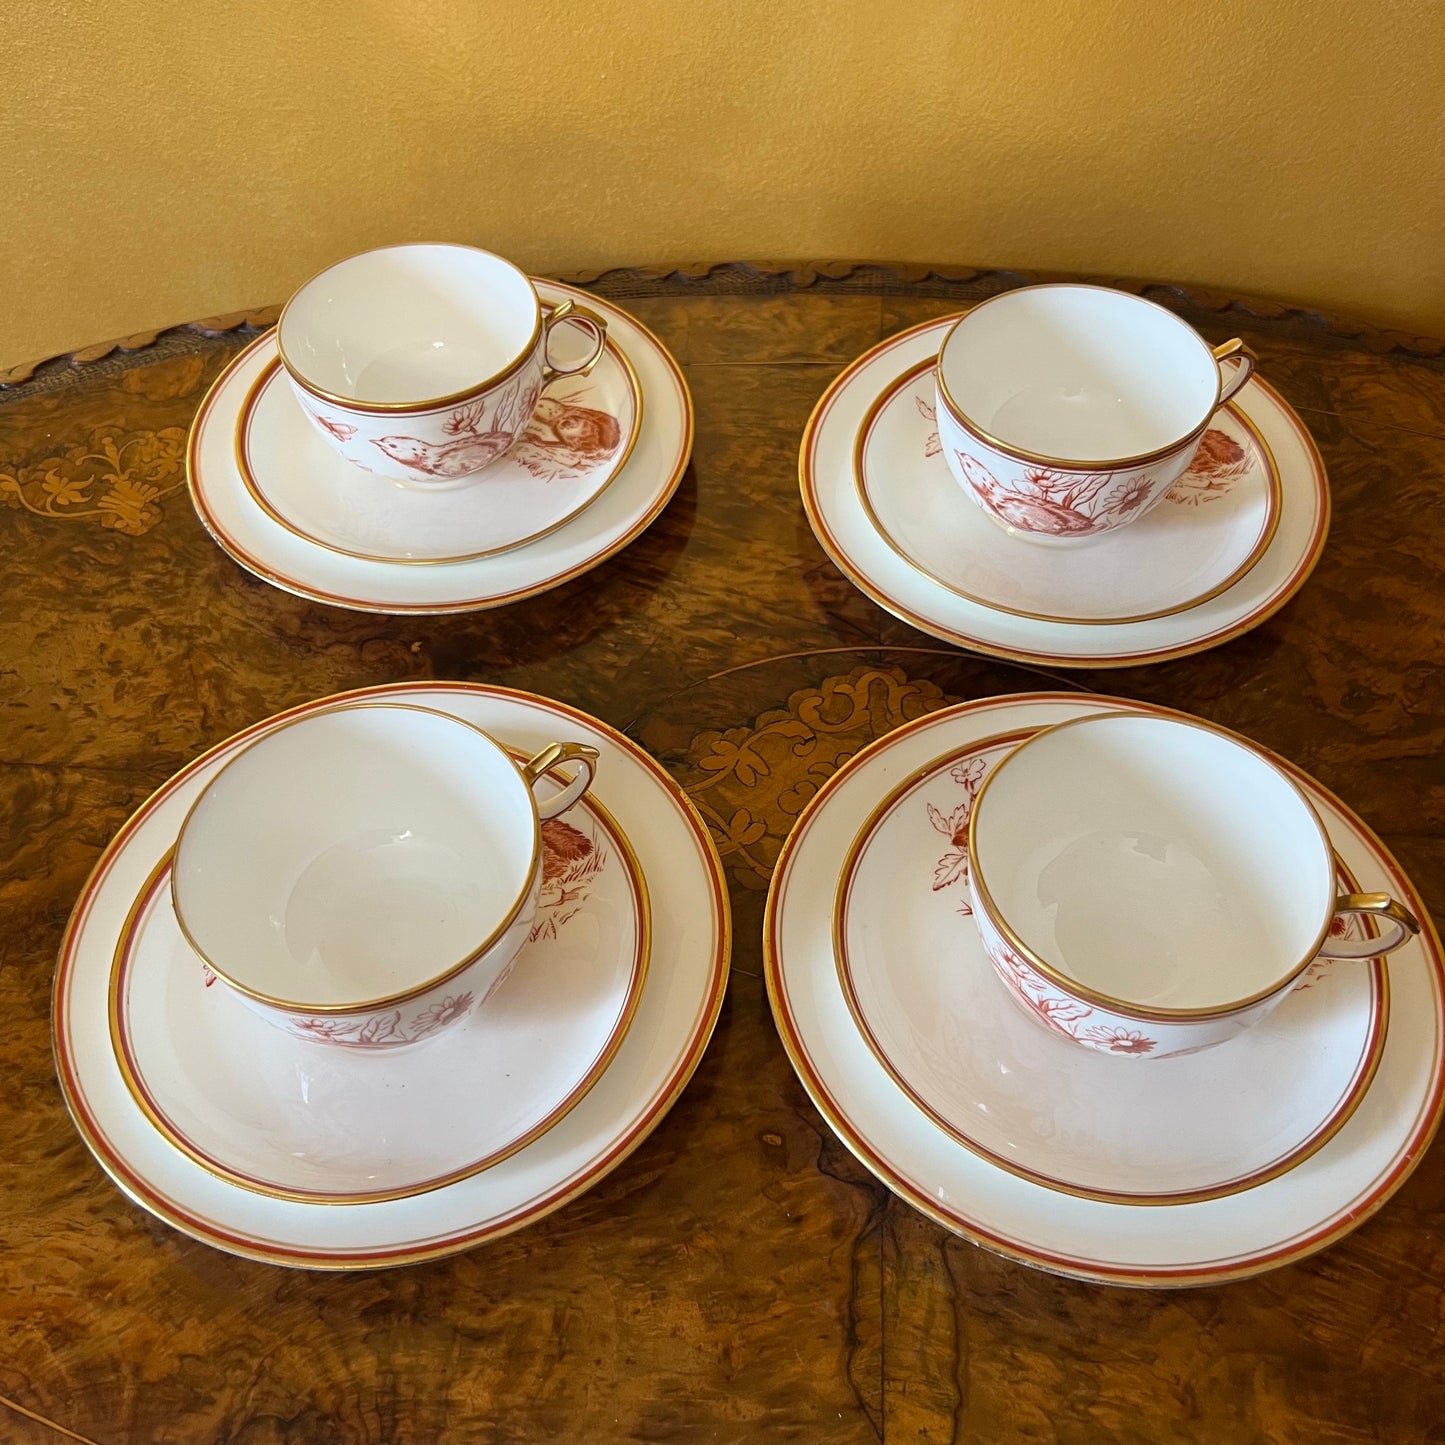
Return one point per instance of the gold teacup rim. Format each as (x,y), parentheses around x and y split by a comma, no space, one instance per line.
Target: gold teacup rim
(412,991)
(1129,1007)
(1274,504)
(1042,459)
(267,377)
(146,1102)
(390,408)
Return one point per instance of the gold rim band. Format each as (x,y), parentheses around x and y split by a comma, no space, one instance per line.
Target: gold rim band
(323,1010)
(1130,1008)
(268,571)
(953,1214)
(1274,503)
(268,377)
(1353,1097)
(387,408)
(1112,464)
(148,1105)
(1283,593)
(196,1225)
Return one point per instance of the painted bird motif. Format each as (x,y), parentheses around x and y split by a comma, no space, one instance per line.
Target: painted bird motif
(446,459)
(473,448)
(560,439)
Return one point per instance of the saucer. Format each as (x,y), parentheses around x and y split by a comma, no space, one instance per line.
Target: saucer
(303,1120)
(1213,526)
(277,552)
(657,1055)
(835,508)
(930,1006)
(576,445)
(1280,1220)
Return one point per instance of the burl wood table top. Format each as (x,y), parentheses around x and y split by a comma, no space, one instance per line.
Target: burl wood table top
(740,1276)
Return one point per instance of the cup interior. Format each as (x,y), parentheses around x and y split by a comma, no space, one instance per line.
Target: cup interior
(1155,862)
(354,855)
(1079,373)
(409,324)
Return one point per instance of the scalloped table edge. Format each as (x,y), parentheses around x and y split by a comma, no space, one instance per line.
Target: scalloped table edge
(771,277)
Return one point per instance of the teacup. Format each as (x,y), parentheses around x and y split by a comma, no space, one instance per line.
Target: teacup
(1149,886)
(425,363)
(366,875)
(1066,411)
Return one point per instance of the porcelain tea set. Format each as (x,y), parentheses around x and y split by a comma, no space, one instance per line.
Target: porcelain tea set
(429,430)
(1040,960)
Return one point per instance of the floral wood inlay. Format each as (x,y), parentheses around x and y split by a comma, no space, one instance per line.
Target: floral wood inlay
(116,478)
(751,783)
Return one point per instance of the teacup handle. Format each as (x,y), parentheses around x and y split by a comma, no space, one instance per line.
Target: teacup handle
(1383,909)
(568,310)
(552,756)
(1235,350)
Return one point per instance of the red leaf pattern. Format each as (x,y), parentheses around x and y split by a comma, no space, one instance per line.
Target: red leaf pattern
(384,1030)
(952,867)
(1056,1010)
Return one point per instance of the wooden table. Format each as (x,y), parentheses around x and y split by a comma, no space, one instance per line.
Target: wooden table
(740,1276)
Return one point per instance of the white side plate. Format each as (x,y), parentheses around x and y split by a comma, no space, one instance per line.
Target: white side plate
(280,556)
(674,1019)
(1283,1219)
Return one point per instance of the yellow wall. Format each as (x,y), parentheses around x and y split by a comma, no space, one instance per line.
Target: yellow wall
(167,159)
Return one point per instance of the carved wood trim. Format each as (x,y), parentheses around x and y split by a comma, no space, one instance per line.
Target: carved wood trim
(862,277)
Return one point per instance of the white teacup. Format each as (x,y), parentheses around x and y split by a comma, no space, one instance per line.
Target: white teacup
(366,875)
(1066,411)
(424,363)
(1149,886)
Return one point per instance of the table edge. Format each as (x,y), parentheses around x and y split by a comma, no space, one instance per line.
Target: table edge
(824,277)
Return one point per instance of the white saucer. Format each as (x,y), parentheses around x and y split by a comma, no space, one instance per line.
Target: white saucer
(1213,526)
(577,444)
(1280,1220)
(621,511)
(932,1009)
(835,509)
(669,1031)
(300,1120)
